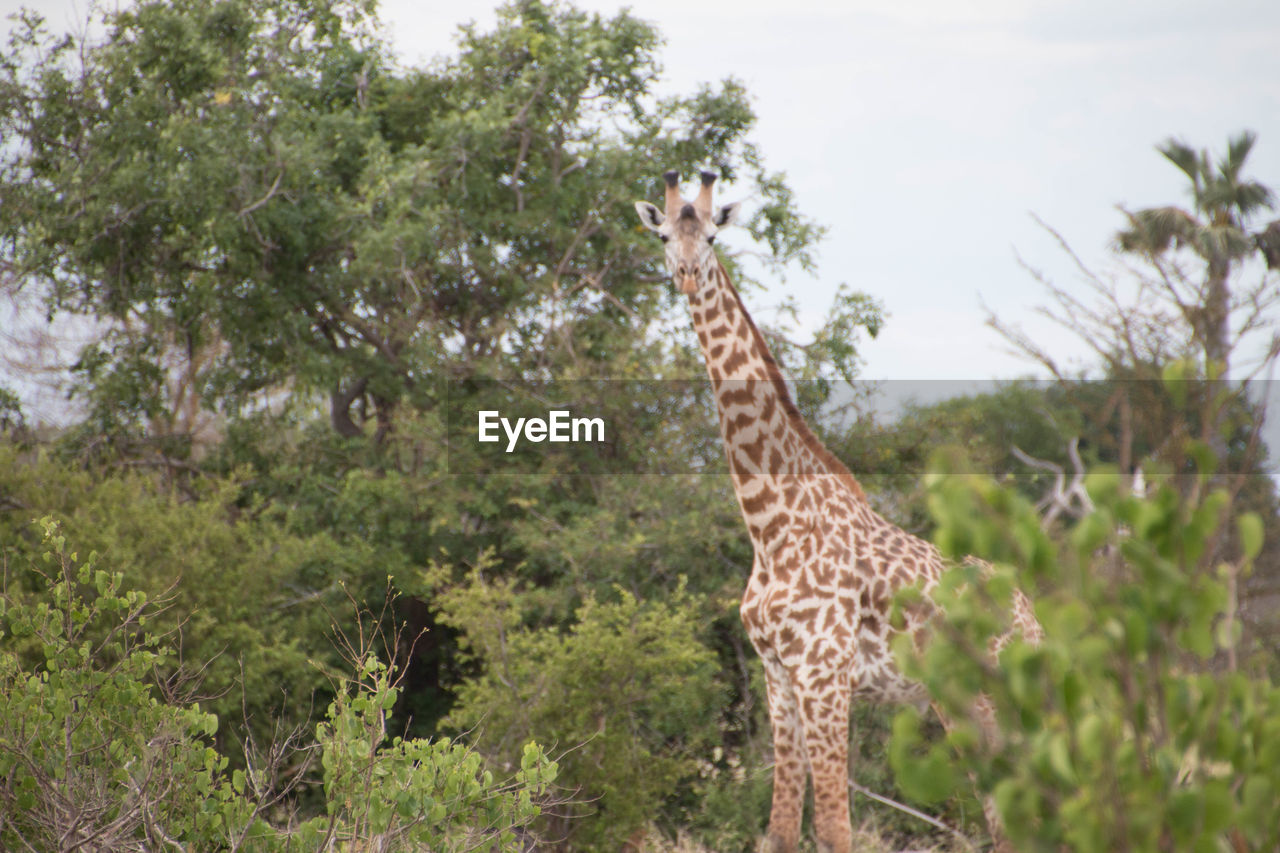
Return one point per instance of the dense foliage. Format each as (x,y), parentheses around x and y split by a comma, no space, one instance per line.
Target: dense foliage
(1114,732)
(96,754)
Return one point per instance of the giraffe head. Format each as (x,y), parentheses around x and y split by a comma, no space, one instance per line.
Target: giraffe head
(688,229)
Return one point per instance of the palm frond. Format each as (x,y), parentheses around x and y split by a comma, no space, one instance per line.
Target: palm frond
(1238,150)
(1252,196)
(1268,242)
(1222,242)
(1225,201)
(1218,201)
(1154,229)
(1217,227)
(1183,156)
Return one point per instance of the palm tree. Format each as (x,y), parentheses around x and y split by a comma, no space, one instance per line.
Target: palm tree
(1216,229)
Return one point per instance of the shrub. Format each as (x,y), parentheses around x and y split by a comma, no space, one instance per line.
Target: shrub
(413,794)
(96,754)
(91,755)
(627,693)
(1116,732)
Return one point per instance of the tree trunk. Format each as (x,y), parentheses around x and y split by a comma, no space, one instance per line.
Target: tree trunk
(1217,356)
(340,408)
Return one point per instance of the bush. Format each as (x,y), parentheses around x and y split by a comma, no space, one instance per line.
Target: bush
(413,794)
(628,693)
(90,753)
(96,755)
(1116,732)
(248,602)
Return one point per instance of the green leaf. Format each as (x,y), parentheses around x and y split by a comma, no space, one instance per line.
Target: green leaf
(1060,758)
(1219,806)
(1249,526)
(1092,737)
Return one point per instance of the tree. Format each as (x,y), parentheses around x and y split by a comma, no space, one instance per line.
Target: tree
(1183,312)
(1217,231)
(254,197)
(1184,309)
(1182,330)
(92,755)
(249,603)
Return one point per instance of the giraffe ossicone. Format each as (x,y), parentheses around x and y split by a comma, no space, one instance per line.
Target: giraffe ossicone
(826,565)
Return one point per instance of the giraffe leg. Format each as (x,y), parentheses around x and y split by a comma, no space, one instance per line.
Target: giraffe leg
(789,764)
(985,715)
(824,710)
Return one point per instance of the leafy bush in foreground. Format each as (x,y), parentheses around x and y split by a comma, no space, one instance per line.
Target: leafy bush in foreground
(1117,732)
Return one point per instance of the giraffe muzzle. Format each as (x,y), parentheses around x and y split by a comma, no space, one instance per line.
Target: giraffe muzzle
(685,278)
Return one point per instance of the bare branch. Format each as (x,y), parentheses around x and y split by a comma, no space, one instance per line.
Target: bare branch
(1070,498)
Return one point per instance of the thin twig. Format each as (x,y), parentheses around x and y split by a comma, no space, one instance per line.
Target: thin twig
(933,821)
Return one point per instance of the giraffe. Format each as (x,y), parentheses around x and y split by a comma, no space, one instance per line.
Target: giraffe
(826,565)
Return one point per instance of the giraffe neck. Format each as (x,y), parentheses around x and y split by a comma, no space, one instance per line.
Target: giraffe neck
(769,447)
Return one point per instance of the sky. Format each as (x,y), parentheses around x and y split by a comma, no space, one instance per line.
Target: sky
(925,136)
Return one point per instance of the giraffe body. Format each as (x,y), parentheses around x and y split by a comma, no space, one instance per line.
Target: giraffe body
(826,566)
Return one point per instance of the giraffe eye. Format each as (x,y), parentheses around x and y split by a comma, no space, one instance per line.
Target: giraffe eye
(664,237)
(711,239)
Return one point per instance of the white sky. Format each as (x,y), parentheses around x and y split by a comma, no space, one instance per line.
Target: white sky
(924,134)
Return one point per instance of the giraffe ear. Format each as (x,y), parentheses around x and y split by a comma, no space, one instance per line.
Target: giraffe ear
(726,215)
(650,216)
